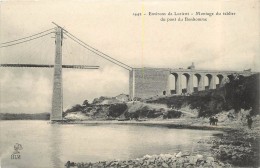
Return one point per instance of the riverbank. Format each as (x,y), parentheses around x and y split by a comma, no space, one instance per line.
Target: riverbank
(237,146)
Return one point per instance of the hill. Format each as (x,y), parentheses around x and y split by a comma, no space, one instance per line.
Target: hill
(239,93)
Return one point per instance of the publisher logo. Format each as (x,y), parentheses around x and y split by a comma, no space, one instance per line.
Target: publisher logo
(16,153)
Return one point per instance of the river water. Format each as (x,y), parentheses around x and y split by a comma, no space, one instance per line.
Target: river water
(52,145)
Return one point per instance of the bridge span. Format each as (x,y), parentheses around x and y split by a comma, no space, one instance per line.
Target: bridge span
(149,82)
(143,82)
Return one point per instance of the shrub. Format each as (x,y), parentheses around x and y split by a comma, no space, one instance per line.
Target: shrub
(173,114)
(75,108)
(115,110)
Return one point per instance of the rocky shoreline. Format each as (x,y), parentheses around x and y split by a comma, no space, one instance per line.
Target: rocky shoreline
(164,160)
(239,148)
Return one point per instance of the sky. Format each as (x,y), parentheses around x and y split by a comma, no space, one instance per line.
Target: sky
(220,43)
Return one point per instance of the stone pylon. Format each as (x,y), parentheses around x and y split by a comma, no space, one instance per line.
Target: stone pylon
(57,95)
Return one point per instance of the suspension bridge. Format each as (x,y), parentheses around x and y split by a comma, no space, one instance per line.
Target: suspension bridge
(60,35)
(143,82)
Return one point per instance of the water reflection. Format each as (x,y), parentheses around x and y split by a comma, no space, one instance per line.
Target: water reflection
(55,146)
(52,145)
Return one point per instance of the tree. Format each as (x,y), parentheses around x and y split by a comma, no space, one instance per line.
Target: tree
(74,108)
(85,103)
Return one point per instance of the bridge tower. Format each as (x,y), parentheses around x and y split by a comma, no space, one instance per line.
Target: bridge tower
(57,95)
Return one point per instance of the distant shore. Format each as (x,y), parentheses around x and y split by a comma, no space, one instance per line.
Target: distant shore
(23,116)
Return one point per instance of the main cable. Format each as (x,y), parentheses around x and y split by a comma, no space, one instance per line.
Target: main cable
(93,47)
(25,40)
(27,36)
(96,52)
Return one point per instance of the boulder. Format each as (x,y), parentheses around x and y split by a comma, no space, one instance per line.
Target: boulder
(173,164)
(199,157)
(193,160)
(151,166)
(179,155)
(186,154)
(210,159)
(164,165)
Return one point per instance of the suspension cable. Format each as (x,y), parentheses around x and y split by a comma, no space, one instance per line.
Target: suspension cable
(25,40)
(96,52)
(27,36)
(92,47)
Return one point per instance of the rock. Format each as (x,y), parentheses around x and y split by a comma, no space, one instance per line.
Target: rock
(147,156)
(159,164)
(200,166)
(233,157)
(163,161)
(234,153)
(199,157)
(168,155)
(180,160)
(165,165)
(179,155)
(221,147)
(172,164)
(214,146)
(200,162)
(192,160)
(186,164)
(115,163)
(186,154)
(165,156)
(210,159)
(241,148)
(160,159)
(145,163)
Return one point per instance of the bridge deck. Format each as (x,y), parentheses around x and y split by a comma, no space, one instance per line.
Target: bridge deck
(183,70)
(48,66)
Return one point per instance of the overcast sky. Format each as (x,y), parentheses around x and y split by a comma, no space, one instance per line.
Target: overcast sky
(223,43)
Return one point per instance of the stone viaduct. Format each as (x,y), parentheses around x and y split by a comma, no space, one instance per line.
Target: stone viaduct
(149,82)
